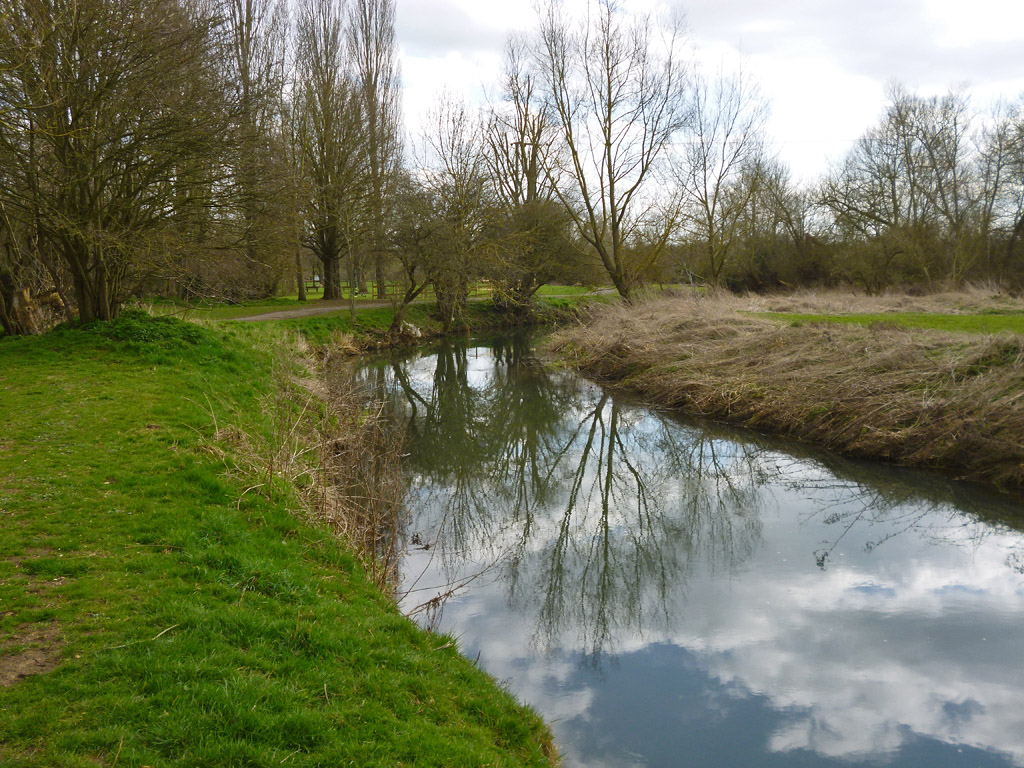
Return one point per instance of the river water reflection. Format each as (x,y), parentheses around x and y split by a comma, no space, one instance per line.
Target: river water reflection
(668,594)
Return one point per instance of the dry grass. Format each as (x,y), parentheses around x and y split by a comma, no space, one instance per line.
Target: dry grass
(920,398)
(968,300)
(361,491)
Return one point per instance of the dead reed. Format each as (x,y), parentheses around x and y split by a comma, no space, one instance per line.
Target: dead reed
(362,488)
(920,398)
(969,299)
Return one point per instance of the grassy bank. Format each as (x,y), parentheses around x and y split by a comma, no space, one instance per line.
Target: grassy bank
(369,328)
(957,323)
(231,311)
(925,398)
(161,606)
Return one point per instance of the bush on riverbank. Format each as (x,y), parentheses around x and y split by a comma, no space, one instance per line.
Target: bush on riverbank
(916,397)
(160,608)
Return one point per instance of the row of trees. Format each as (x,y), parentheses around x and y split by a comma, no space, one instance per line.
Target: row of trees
(931,194)
(219,147)
(666,173)
(193,147)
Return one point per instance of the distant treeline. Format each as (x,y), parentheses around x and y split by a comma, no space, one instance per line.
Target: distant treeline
(231,149)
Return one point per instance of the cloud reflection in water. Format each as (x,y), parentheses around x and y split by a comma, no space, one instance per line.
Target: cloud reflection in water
(744,603)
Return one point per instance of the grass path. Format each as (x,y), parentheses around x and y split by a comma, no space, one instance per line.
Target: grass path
(341,306)
(290,308)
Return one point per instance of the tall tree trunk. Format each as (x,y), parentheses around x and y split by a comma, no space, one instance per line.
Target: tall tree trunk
(351,287)
(7,317)
(300,279)
(378,263)
(332,278)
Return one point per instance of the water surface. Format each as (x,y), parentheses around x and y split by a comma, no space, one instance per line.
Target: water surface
(667,593)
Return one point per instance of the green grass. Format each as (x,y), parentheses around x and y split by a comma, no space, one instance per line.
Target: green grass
(367,323)
(565,290)
(192,623)
(223,311)
(249,308)
(973,323)
(372,324)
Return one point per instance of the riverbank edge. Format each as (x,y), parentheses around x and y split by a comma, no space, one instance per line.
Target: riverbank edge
(369,330)
(950,402)
(97,643)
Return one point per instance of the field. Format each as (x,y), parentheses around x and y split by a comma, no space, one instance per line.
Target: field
(227,311)
(970,311)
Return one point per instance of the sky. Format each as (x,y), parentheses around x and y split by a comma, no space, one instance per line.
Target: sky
(824,65)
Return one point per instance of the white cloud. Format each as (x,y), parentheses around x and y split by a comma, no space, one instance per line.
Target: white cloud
(917,637)
(824,65)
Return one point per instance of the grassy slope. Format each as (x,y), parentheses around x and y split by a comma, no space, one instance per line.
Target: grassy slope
(247,308)
(283,303)
(370,326)
(191,623)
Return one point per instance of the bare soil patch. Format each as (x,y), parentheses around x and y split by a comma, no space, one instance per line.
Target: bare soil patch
(41,652)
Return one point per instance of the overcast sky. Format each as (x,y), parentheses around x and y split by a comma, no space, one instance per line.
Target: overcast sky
(825,65)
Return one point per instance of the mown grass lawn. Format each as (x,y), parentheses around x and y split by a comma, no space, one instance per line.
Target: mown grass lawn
(177,620)
(965,323)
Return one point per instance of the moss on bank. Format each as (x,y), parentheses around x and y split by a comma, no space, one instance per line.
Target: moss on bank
(924,398)
(178,619)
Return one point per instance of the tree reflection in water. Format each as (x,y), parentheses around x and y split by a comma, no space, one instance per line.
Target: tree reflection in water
(689,552)
(595,510)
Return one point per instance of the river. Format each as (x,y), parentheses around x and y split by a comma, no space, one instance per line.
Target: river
(667,593)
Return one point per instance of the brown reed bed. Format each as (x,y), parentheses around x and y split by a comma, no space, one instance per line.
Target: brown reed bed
(923,398)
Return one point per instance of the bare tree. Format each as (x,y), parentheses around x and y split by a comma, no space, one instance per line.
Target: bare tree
(617,94)
(717,167)
(257,38)
(456,176)
(909,192)
(113,100)
(938,140)
(1001,161)
(878,217)
(1014,209)
(414,244)
(332,136)
(519,132)
(375,59)
(532,247)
